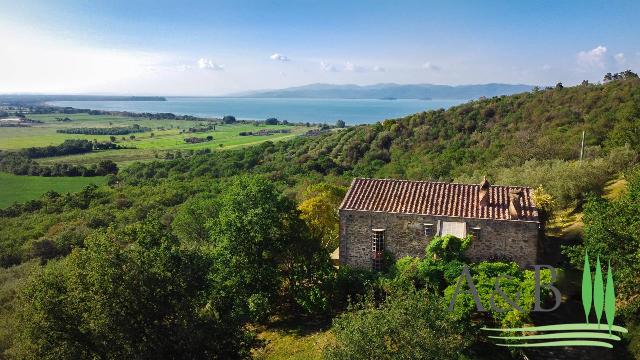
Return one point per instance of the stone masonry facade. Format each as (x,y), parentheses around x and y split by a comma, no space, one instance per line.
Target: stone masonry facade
(405,236)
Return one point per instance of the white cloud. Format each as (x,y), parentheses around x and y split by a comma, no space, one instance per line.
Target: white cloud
(349,66)
(327,67)
(208,64)
(278,57)
(379,69)
(183,67)
(431,66)
(546,67)
(620,58)
(593,58)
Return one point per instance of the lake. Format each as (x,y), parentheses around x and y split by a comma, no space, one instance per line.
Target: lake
(352,111)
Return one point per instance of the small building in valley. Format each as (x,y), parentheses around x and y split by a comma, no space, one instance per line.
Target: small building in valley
(401,217)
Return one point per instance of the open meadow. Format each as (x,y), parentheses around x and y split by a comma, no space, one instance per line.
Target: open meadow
(159,137)
(14,188)
(164,135)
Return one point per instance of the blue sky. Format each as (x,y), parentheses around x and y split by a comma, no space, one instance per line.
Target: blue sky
(219,47)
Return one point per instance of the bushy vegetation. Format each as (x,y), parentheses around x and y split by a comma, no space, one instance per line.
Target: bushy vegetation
(612,232)
(128,294)
(415,325)
(105,131)
(68,147)
(405,309)
(191,291)
(318,211)
(567,181)
(18,164)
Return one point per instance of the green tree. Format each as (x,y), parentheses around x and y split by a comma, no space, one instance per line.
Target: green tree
(105,167)
(319,210)
(415,325)
(545,203)
(610,228)
(229,119)
(149,299)
(261,247)
(190,222)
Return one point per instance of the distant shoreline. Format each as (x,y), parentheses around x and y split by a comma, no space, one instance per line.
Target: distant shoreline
(40,99)
(313,110)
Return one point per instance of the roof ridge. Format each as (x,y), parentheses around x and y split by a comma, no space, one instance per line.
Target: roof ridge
(441,182)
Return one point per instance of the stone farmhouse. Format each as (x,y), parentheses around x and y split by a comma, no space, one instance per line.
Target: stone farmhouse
(401,217)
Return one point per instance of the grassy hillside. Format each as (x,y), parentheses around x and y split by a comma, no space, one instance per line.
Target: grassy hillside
(525,139)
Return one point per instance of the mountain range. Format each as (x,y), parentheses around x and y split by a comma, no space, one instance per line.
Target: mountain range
(390,91)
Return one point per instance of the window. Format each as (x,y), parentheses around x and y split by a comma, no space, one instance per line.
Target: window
(455,228)
(429,231)
(377,240)
(377,249)
(475,233)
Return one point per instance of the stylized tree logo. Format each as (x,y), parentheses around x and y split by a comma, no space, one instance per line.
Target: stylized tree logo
(587,290)
(594,295)
(603,298)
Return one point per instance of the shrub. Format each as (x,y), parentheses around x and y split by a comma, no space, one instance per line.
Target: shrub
(448,247)
(415,325)
(513,280)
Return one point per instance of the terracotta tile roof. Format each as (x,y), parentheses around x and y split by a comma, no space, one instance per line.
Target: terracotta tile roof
(435,198)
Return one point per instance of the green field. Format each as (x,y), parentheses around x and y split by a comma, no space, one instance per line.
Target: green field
(15,188)
(166,136)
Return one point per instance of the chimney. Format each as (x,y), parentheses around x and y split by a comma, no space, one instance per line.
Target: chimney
(515,210)
(483,195)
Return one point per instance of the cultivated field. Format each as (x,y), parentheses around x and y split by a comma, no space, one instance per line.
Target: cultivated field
(166,136)
(14,188)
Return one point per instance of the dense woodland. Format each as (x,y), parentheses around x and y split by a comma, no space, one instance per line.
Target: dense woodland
(182,258)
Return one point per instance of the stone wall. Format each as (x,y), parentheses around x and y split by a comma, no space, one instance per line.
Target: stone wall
(404,236)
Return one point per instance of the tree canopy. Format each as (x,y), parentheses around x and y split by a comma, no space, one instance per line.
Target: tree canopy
(128,294)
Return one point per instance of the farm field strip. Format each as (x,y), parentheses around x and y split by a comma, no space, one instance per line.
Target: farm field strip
(14,188)
(167,136)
